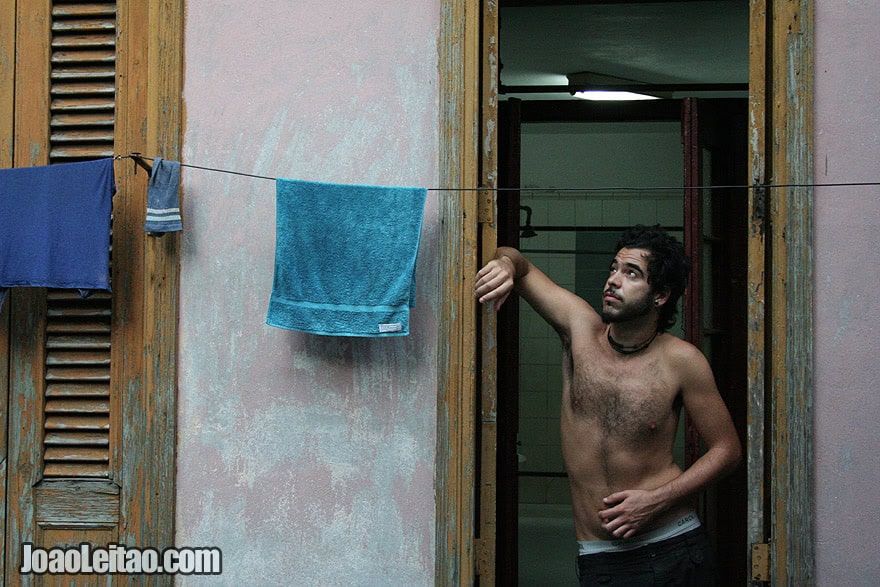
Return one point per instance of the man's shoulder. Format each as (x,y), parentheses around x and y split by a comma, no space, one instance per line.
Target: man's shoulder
(680,350)
(685,359)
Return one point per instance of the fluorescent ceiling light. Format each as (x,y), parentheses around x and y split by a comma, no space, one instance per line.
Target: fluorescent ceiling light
(605,87)
(608,96)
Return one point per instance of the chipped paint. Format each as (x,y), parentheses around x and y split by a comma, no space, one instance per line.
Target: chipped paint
(307,460)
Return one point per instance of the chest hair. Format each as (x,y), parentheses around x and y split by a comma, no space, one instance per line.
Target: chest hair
(629,404)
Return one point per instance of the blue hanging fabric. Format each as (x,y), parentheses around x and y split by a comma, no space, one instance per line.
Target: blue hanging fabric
(163,197)
(345,258)
(55,226)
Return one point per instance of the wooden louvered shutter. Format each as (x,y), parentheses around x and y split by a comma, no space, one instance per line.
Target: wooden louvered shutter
(83,80)
(88,404)
(76,441)
(65,417)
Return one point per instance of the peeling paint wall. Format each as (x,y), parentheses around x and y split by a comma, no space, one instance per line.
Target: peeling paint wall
(847,301)
(308,460)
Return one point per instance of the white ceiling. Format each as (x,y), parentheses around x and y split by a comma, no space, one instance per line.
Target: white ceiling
(696,41)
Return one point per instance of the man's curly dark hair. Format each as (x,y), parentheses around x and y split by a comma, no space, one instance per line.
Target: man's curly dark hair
(668,266)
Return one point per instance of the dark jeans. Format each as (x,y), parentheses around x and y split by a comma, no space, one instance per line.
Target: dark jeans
(683,560)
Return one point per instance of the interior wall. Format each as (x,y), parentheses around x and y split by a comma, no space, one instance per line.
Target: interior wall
(308,460)
(568,157)
(581,155)
(847,307)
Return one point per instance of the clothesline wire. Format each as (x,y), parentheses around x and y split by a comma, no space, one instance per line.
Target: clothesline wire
(137,156)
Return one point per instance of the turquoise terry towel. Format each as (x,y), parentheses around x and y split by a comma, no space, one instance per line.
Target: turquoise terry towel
(345,258)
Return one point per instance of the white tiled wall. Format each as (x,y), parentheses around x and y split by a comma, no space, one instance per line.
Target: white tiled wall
(545,149)
(540,376)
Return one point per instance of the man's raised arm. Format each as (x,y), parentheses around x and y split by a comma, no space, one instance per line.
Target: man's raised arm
(509,270)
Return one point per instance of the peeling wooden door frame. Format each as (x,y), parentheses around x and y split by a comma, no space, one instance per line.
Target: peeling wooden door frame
(487,212)
(780,305)
(7,75)
(455,476)
(466,424)
(792,293)
(150,84)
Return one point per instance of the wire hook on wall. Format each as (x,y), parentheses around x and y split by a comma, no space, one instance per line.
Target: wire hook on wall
(138,162)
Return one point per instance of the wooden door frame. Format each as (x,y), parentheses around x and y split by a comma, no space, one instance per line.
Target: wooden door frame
(466,411)
(7,109)
(780,283)
(780,305)
(150,83)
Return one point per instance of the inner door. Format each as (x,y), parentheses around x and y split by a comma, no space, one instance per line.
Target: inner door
(715,307)
(570,234)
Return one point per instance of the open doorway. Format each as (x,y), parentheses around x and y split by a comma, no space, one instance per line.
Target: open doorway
(584,172)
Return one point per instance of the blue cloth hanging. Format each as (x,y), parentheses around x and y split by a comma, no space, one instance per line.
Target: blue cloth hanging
(345,258)
(163,197)
(55,226)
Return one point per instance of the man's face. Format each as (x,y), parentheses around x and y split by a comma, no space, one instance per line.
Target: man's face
(627,294)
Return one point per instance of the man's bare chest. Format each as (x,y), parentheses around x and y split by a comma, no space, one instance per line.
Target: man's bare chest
(631,399)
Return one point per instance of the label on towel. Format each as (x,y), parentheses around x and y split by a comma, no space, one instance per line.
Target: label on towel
(393,327)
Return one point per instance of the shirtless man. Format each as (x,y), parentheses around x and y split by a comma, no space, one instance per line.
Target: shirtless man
(624,381)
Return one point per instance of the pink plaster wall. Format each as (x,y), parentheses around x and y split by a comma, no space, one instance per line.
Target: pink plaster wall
(847,302)
(308,460)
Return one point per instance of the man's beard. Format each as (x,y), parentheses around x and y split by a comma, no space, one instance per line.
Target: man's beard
(627,311)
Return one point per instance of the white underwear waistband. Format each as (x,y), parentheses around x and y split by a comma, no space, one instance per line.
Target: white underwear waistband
(685,523)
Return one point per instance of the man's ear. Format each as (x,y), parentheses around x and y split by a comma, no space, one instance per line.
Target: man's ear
(661,298)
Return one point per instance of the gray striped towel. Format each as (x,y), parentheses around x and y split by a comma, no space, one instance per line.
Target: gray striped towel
(163,199)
